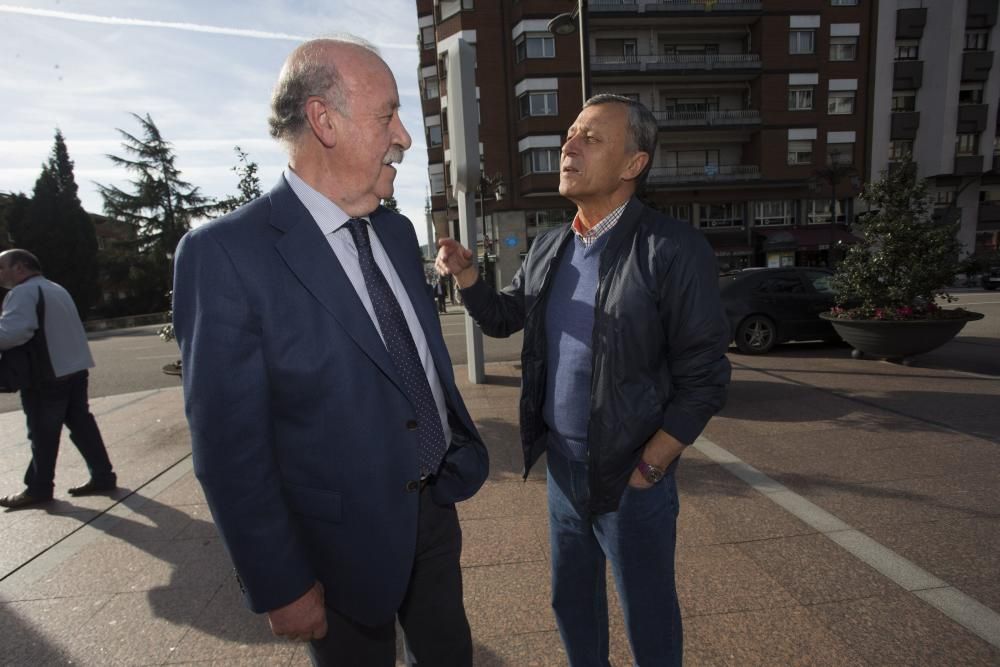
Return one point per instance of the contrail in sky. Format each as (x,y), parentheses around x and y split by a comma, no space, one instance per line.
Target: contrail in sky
(189,27)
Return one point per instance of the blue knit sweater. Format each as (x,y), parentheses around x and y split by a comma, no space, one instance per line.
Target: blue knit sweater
(569,328)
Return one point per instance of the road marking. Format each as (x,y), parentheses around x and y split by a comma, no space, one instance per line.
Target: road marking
(977,303)
(953,603)
(160,356)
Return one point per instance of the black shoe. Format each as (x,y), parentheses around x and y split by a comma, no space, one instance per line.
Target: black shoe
(95,486)
(23,499)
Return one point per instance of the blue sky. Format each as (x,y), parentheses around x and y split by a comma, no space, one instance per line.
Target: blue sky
(203,70)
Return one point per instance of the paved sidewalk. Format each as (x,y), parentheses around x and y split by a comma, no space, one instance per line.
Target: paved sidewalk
(838,513)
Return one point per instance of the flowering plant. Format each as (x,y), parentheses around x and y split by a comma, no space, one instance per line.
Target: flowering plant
(904,258)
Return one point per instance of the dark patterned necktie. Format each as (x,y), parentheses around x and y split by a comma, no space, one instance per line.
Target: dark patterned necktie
(403,351)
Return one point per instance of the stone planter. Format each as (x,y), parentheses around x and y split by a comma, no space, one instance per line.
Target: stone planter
(897,339)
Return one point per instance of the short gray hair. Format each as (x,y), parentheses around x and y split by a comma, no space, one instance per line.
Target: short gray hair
(309,72)
(641,131)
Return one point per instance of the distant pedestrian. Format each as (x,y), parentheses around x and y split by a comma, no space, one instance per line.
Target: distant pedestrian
(62,399)
(441,292)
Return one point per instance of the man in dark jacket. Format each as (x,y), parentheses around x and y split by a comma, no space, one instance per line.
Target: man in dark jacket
(623,365)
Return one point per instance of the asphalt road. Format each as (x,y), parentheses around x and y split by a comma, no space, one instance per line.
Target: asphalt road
(130,360)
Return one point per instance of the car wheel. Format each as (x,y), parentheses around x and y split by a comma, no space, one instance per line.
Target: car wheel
(756,335)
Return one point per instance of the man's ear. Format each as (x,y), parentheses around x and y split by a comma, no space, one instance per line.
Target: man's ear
(323,121)
(635,166)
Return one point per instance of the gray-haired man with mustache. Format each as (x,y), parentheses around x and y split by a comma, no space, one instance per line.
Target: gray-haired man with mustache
(326,427)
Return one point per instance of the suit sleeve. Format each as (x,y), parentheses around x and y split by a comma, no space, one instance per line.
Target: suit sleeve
(697,333)
(226,401)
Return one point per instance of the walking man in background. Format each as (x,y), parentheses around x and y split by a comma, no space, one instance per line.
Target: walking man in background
(326,426)
(623,365)
(61,398)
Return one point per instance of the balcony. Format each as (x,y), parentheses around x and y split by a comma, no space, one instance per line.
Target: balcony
(904,125)
(976,65)
(637,6)
(972,118)
(731,173)
(907,74)
(728,117)
(981,14)
(968,165)
(668,63)
(989,212)
(910,23)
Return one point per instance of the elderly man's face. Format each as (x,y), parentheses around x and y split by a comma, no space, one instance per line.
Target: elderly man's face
(595,155)
(371,136)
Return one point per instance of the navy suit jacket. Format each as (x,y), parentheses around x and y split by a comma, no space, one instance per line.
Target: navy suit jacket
(299,424)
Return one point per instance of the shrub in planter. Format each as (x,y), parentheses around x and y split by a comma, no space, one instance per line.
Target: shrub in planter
(904,260)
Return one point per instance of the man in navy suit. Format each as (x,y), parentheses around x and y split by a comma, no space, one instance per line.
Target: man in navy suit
(326,427)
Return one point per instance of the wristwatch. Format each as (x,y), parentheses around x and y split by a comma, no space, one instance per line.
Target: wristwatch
(650,473)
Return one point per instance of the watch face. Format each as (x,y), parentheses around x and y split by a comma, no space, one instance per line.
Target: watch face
(652,474)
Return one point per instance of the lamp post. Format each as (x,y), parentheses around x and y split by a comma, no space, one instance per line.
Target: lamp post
(567,24)
(494,189)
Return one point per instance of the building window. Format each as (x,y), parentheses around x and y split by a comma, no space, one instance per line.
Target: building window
(540,103)
(801,41)
(840,102)
(967,144)
(769,213)
(431,88)
(721,215)
(534,46)
(971,94)
(540,161)
(680,212)
(437,183)
(840,154)
(844,3)
(818,211)
(900,149)
(427,37)
(843,48)
(800,98)
(434,135)
(800,152)
(976,40)
(904,100)
(907,50)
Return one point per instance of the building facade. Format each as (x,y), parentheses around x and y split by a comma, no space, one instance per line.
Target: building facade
(935,99)
(762,108)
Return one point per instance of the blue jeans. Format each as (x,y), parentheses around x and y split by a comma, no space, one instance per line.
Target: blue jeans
(639,541)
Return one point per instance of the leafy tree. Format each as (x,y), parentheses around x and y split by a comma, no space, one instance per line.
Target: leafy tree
(160,204)
(58,231)
(904,259)
(13,211)
(249,184)
(391,204)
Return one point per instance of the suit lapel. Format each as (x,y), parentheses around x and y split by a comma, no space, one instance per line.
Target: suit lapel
(310,258)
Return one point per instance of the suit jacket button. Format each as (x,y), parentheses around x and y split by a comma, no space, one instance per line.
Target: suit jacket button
(413,486)
(411,425)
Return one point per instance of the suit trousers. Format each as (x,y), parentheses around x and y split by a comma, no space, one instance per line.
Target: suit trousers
(47,408)
(432,614)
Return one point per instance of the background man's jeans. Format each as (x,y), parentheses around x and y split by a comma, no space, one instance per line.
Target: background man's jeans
(639,541)
(47,408)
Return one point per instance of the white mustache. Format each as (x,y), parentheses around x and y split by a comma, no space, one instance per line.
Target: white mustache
(394,154)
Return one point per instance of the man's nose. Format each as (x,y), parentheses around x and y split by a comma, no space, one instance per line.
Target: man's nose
(403,137)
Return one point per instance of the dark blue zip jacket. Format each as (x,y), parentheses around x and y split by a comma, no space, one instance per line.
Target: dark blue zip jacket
(659,342)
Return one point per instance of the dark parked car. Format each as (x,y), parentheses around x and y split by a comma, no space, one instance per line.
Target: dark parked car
(771,306)
(991,279)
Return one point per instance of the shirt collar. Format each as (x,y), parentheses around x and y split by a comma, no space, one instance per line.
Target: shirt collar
(588,236)
(327,215)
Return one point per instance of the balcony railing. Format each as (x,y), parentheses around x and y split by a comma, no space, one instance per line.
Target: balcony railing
(704,174)
(659,63)
(596,6)
(707,118)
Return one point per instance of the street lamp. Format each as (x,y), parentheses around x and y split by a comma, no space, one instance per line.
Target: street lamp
(567,24)
(492,188)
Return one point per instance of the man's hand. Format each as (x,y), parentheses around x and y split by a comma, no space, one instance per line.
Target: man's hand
(301,620)
(455,260)
(660,451)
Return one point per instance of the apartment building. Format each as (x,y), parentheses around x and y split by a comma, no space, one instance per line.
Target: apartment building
(935,99)
(762,107)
